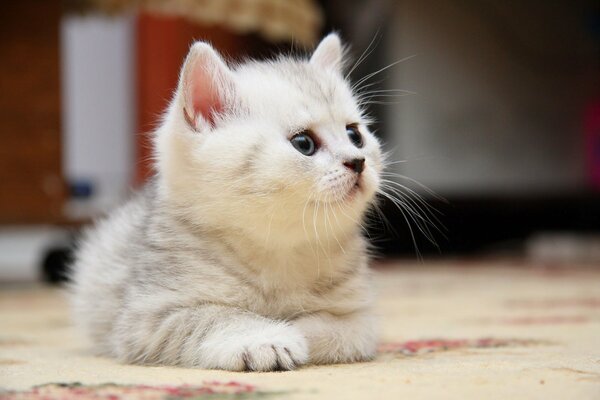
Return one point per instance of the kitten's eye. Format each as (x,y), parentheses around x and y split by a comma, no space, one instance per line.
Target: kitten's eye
(354,135)
(304,143)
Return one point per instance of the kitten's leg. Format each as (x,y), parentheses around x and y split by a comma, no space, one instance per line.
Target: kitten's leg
(338,339)
(210,336)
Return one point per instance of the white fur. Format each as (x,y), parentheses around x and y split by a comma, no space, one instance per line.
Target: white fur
(242,253)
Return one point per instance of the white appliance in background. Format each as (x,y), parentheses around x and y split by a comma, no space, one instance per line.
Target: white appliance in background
(98,110)
(98,125)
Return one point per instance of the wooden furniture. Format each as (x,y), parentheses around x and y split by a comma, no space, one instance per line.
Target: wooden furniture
(31,186)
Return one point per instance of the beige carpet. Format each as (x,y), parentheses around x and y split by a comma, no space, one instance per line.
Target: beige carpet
(494,330)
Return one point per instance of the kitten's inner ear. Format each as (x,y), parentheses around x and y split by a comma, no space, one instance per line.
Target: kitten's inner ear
(206,85)
(329,53)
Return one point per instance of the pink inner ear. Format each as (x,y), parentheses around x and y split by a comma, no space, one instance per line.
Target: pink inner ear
(206,100)
(206,95)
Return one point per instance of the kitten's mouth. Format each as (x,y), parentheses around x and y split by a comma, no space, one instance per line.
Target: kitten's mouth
(353,191)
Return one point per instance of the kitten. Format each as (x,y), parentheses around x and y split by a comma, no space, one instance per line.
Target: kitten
(245,252)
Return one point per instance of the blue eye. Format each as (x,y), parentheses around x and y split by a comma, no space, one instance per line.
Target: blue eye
(304,143)
(354,135)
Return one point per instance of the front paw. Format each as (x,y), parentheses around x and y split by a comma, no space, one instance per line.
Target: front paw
(276,347)
(339,339)
(272,357)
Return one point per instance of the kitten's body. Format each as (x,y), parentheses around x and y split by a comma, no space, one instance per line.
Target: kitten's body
(242,253)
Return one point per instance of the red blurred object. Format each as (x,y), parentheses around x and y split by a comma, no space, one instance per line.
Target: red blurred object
(162,43)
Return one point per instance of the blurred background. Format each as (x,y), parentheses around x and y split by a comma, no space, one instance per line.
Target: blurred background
(492,118)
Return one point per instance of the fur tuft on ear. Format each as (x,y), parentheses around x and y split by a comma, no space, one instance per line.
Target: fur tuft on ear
(329,53)
(206,85)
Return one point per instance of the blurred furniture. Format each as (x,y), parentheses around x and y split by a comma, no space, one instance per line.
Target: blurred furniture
(162,44)
(31,184)
(237,28)
(164,31)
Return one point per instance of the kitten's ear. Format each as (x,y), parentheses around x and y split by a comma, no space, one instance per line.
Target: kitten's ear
(329,53)
(206,85)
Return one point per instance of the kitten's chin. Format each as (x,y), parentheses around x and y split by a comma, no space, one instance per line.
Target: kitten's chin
(356,196)
(354,192)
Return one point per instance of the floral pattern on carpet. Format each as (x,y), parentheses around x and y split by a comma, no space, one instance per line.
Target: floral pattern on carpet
(449,330)
(418,347)
(110,391)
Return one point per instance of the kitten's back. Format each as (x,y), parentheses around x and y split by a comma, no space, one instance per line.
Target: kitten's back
(102,267)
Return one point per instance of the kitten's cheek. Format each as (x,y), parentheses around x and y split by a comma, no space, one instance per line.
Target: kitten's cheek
(370,185)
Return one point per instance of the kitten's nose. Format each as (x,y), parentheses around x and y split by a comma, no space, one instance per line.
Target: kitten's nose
(356,164)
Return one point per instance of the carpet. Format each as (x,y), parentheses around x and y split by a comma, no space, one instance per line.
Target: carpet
(453,330)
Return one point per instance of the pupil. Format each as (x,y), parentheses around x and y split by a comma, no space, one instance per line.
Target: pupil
(354,136)
(304,144)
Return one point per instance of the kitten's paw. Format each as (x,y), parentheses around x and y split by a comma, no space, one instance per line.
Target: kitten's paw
(277,347)
(271,358)
(335,340)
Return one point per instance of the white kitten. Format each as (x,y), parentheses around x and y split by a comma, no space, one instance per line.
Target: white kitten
(245,252)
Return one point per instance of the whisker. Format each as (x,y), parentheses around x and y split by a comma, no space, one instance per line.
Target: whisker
(384,219)
(327,235)
(366,53)
(363,228)
(428,190)
(388,163)
(391,92)
(338,225)
(269,228)
(412,235)
(427,210)
(317,238)
(372,74)
(362,89)
(383,103)
(304,223)
(420,221)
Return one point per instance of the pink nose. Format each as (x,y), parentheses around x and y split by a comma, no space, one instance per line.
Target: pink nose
(357,165)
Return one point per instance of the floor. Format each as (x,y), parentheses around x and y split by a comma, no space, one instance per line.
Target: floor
(453,329)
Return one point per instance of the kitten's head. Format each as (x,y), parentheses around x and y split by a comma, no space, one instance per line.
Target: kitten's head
(278,148)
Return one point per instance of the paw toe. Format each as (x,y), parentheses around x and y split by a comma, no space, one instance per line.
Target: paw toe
(269,358)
